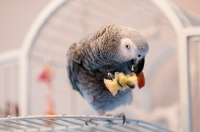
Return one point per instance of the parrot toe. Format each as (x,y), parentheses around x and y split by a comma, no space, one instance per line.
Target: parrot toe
(111,76)
(122,115)
(117,78)
(131,86)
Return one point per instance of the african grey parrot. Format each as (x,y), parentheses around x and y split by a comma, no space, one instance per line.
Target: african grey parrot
(113,48)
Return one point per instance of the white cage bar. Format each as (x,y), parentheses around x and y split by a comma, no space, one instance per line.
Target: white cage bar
(25,54)
(52,24)
(74,123)
(184,77)
(8,81)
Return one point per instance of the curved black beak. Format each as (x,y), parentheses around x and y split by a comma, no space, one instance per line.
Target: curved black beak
(139,65)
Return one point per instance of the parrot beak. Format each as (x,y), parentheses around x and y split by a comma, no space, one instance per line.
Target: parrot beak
(138,66)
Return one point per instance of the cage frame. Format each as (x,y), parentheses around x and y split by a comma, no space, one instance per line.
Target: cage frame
(181,33)
(184,88)
(75,123)
(9,56)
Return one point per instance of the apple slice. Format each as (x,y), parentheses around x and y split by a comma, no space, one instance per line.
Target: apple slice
(126,81)
(112,86)
(140,80)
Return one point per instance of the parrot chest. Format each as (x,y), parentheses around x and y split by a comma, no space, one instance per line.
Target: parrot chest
(97,95)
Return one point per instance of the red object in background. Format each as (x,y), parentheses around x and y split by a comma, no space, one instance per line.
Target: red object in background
(50,112)
(51,106)
(46,74)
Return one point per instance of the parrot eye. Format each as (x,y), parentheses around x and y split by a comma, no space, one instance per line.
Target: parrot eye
(139,55)
(127,46)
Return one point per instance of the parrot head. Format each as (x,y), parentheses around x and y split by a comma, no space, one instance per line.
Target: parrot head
(133,48)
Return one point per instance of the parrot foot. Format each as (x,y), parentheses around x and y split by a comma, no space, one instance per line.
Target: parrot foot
(131,86)
(111,76)
(132,68)
(117,78)
(122,115)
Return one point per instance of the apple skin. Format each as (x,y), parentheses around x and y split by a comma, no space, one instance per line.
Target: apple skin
(140,80)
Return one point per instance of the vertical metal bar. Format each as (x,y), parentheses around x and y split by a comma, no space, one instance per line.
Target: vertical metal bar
(6,59)
(186,118)
(25,53)
(198,43)
(23,84)
(184,83)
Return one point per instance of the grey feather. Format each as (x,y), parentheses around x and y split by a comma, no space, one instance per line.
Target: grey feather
(93,57)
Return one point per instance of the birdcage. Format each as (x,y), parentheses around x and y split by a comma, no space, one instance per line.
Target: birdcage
(171,94)
(9,83)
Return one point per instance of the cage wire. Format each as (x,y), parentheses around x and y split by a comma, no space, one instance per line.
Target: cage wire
(66,33)
(194,65)
(66,27)
(9,84)
(158,102)
(77,123)
(76,19)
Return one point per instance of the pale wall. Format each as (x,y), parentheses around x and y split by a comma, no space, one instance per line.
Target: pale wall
(16,16)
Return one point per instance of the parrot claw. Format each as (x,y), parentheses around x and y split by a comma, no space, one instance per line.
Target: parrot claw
(90,120)
(131,86)
(122,115)
(132,68)
(117,78)
(111,76)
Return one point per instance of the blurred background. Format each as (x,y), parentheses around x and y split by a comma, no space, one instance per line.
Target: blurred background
(45,74)
(17,16)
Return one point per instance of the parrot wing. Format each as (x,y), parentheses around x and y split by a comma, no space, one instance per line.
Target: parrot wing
(83,53)
(74,60)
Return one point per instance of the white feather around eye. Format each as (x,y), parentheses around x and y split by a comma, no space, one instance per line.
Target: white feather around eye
(128,48)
